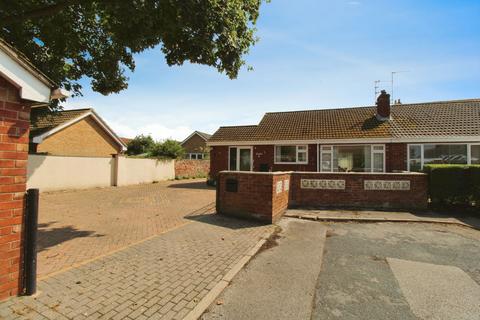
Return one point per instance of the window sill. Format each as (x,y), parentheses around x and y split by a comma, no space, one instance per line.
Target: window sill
(290,163)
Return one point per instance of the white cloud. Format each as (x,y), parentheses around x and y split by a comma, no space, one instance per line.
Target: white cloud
(157,131)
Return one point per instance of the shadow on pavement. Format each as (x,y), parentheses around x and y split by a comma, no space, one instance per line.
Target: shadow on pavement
(192,185)
(50,237)
(224,221)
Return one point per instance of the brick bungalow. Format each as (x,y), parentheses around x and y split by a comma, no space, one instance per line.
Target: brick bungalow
(78,132)
(22,87)
(195,145)
(381,138)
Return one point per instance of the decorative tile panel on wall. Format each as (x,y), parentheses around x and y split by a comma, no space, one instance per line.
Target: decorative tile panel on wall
(322,184)
(286,185)
(386,185)
(279,186)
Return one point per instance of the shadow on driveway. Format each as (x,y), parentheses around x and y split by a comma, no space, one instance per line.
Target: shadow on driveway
(49,237)
(192,185)
(224,221)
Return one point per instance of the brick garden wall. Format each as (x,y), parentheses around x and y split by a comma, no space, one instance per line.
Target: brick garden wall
(14,131)
(355,195)
(266,195)
(192,168)
(262,196)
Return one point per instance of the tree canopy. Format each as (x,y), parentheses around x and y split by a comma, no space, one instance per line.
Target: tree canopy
(70,39)
(145,146)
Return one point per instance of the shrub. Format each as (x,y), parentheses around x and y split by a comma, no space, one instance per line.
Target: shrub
(140,145)
(168,149)
(454,185)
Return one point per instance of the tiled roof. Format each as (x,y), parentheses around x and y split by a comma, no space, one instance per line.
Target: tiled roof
(205,136)
(444,118)
(42,121)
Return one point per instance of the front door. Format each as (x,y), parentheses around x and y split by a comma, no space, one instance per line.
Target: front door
(245,163)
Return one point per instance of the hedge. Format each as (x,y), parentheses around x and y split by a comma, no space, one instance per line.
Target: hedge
(457,185)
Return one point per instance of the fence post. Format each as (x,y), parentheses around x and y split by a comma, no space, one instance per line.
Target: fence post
(31,226)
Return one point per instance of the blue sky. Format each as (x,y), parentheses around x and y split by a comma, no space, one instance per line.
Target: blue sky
(312,54)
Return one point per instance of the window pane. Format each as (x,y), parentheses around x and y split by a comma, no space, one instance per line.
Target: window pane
(475,154)
(200,156)
(378,148)
(302,148)
(351,159)
(245,159)
(445,153)
(415,152)
(326,162)
(286,153)
(378,162)
(415,165)
(302,156)
(233,159)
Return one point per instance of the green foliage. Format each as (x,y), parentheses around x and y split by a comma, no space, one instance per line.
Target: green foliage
(72,39)
(140,145)
(454,185)
(168,149)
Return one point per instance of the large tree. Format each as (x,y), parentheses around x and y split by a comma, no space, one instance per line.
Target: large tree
(69,39)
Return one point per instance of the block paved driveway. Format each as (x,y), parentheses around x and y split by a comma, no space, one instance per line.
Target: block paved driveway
(163,277)
(77,226)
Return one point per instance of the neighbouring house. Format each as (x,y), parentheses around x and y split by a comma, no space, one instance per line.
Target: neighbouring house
(126,141)
(79,132)
(195,145)
(22,87)
(381,138)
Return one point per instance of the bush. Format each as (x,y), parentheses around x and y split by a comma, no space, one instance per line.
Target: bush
(140,145)
(168,149)
(454,185)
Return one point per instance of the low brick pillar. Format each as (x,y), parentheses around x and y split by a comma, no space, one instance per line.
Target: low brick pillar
(359,190)
(14,130)
(259,195)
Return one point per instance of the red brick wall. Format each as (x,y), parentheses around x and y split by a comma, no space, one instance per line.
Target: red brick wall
(396,157)
(218,160)
(14,130)
(354,194)
(191,168)
(256,196)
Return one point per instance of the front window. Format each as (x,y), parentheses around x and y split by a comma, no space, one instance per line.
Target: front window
(422,154)
(353,158)
(291,154)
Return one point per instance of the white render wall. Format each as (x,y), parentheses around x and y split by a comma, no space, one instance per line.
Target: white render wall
(135,170)
(49,173)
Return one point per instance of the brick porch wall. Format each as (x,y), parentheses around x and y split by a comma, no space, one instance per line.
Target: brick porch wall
(261,196)
(14,130)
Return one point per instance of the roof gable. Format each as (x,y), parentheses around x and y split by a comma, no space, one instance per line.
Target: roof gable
(45,124)
(203,135)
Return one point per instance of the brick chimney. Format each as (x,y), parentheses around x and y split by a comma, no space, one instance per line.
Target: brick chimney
(383,106)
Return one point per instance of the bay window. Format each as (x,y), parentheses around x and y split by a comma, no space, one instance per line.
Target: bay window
(352,158)
(291,154)
(422,154)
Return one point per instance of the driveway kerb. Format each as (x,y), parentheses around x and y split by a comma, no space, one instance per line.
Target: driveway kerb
(370,219)
(203,304)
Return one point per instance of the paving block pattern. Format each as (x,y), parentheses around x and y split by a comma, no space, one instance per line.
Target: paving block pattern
(77,226)
(163,277)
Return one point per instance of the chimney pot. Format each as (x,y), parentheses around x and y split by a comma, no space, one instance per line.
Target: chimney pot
(383,106)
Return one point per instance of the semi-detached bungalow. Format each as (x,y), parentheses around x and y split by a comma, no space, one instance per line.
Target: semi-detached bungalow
(381,138)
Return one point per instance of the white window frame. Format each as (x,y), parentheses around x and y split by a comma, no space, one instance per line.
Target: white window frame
(296,153)
(329,150)
(422,149)
(238,157)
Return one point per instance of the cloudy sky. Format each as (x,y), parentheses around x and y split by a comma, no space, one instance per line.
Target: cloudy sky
(312,54)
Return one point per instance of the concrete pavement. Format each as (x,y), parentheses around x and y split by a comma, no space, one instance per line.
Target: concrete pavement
(279,283)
